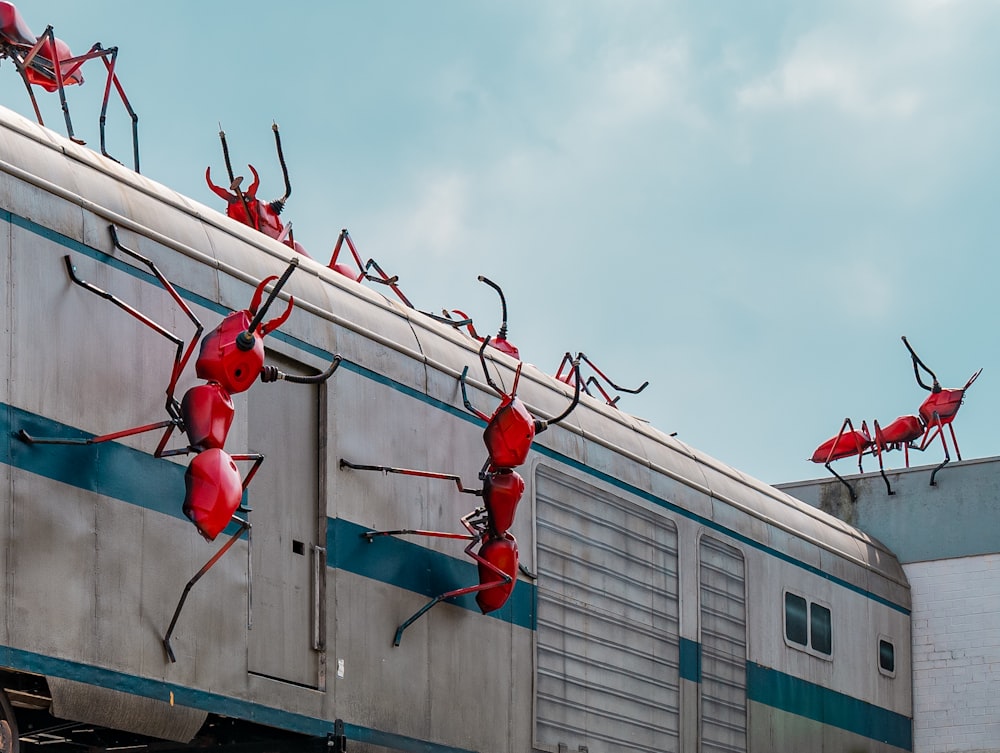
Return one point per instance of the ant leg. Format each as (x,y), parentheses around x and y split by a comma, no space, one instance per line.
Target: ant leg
(384,279)
(850,489)
(244,527)
(604,376)
(110,56)
(183,356)
(939,430)
(410,472)
(505,580)
(465,396)
(540,424)
(170,425)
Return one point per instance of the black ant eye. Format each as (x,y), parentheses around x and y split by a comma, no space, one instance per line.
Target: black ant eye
(239,373)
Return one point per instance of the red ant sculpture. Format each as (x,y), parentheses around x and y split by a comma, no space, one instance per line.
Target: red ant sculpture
(936,412)
(47,61)
(508,436)
(230,360)
(567,364)
(245,207)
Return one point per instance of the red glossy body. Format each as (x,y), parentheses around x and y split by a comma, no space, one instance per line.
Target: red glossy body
(501,493)
(502,554)
(509,434)
(944,403)
(221,360)
(506,346)
(207,410)
(13,27)
(901,431)
(214,490)
(843,445)
(14,30)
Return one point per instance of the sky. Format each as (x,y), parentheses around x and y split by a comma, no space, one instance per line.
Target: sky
(746,204)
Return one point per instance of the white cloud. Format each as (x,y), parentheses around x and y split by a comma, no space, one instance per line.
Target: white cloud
(822,70)
(437,221)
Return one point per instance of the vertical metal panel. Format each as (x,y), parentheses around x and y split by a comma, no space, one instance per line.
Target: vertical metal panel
(722,600)
(284,497)
(607,654)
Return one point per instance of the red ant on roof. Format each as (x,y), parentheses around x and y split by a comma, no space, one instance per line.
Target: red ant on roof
(245,207)
(47,61)
(230,361)
(593,381)
(508,436)
(935,413)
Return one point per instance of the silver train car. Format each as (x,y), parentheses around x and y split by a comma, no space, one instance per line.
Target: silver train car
(667,602)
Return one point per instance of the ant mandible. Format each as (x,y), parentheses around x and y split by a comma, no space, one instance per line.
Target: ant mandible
(245,207)
(508,436)
(230,360)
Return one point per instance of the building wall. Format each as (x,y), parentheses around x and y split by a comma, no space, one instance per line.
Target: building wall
(946,536)
(956,654)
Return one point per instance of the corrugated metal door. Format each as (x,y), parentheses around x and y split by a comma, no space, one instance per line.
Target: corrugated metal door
(607,672)
(722,600)
(284,495)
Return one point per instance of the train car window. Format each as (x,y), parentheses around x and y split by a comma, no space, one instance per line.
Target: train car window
(886,657)
(819,624)
(808,625)
(796,626)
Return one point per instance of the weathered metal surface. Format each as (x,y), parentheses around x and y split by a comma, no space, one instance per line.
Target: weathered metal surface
(94,538)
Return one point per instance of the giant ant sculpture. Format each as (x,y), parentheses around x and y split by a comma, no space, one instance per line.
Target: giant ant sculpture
(245,207)
(593,381)
(935,413)
(508,436)
(47,61)
(230,360)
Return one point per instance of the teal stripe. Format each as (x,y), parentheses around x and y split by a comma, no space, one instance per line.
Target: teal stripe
(690,660)
(214,703)
(134,477)
(781,691)
(402,563)
(108,468)
(417,395)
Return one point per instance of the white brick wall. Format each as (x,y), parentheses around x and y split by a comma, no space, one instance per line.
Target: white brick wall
(956,654)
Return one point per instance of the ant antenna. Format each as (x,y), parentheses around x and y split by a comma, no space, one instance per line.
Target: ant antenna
(936,387)
(278,204)
(502,332)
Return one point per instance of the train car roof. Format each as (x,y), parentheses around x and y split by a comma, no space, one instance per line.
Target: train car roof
(682,478)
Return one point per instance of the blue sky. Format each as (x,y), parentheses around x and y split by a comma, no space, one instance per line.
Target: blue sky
(744,203)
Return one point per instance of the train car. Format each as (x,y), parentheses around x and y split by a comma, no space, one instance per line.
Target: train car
(666,602)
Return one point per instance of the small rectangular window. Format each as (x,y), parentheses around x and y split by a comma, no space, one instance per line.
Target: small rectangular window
(819,623)
(808,625)
(796,625)
(886,657)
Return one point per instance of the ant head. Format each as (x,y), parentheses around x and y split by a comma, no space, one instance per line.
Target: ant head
(231,354)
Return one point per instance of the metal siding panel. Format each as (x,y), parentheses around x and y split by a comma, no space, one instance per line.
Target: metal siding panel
(722,603)
(608,659)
